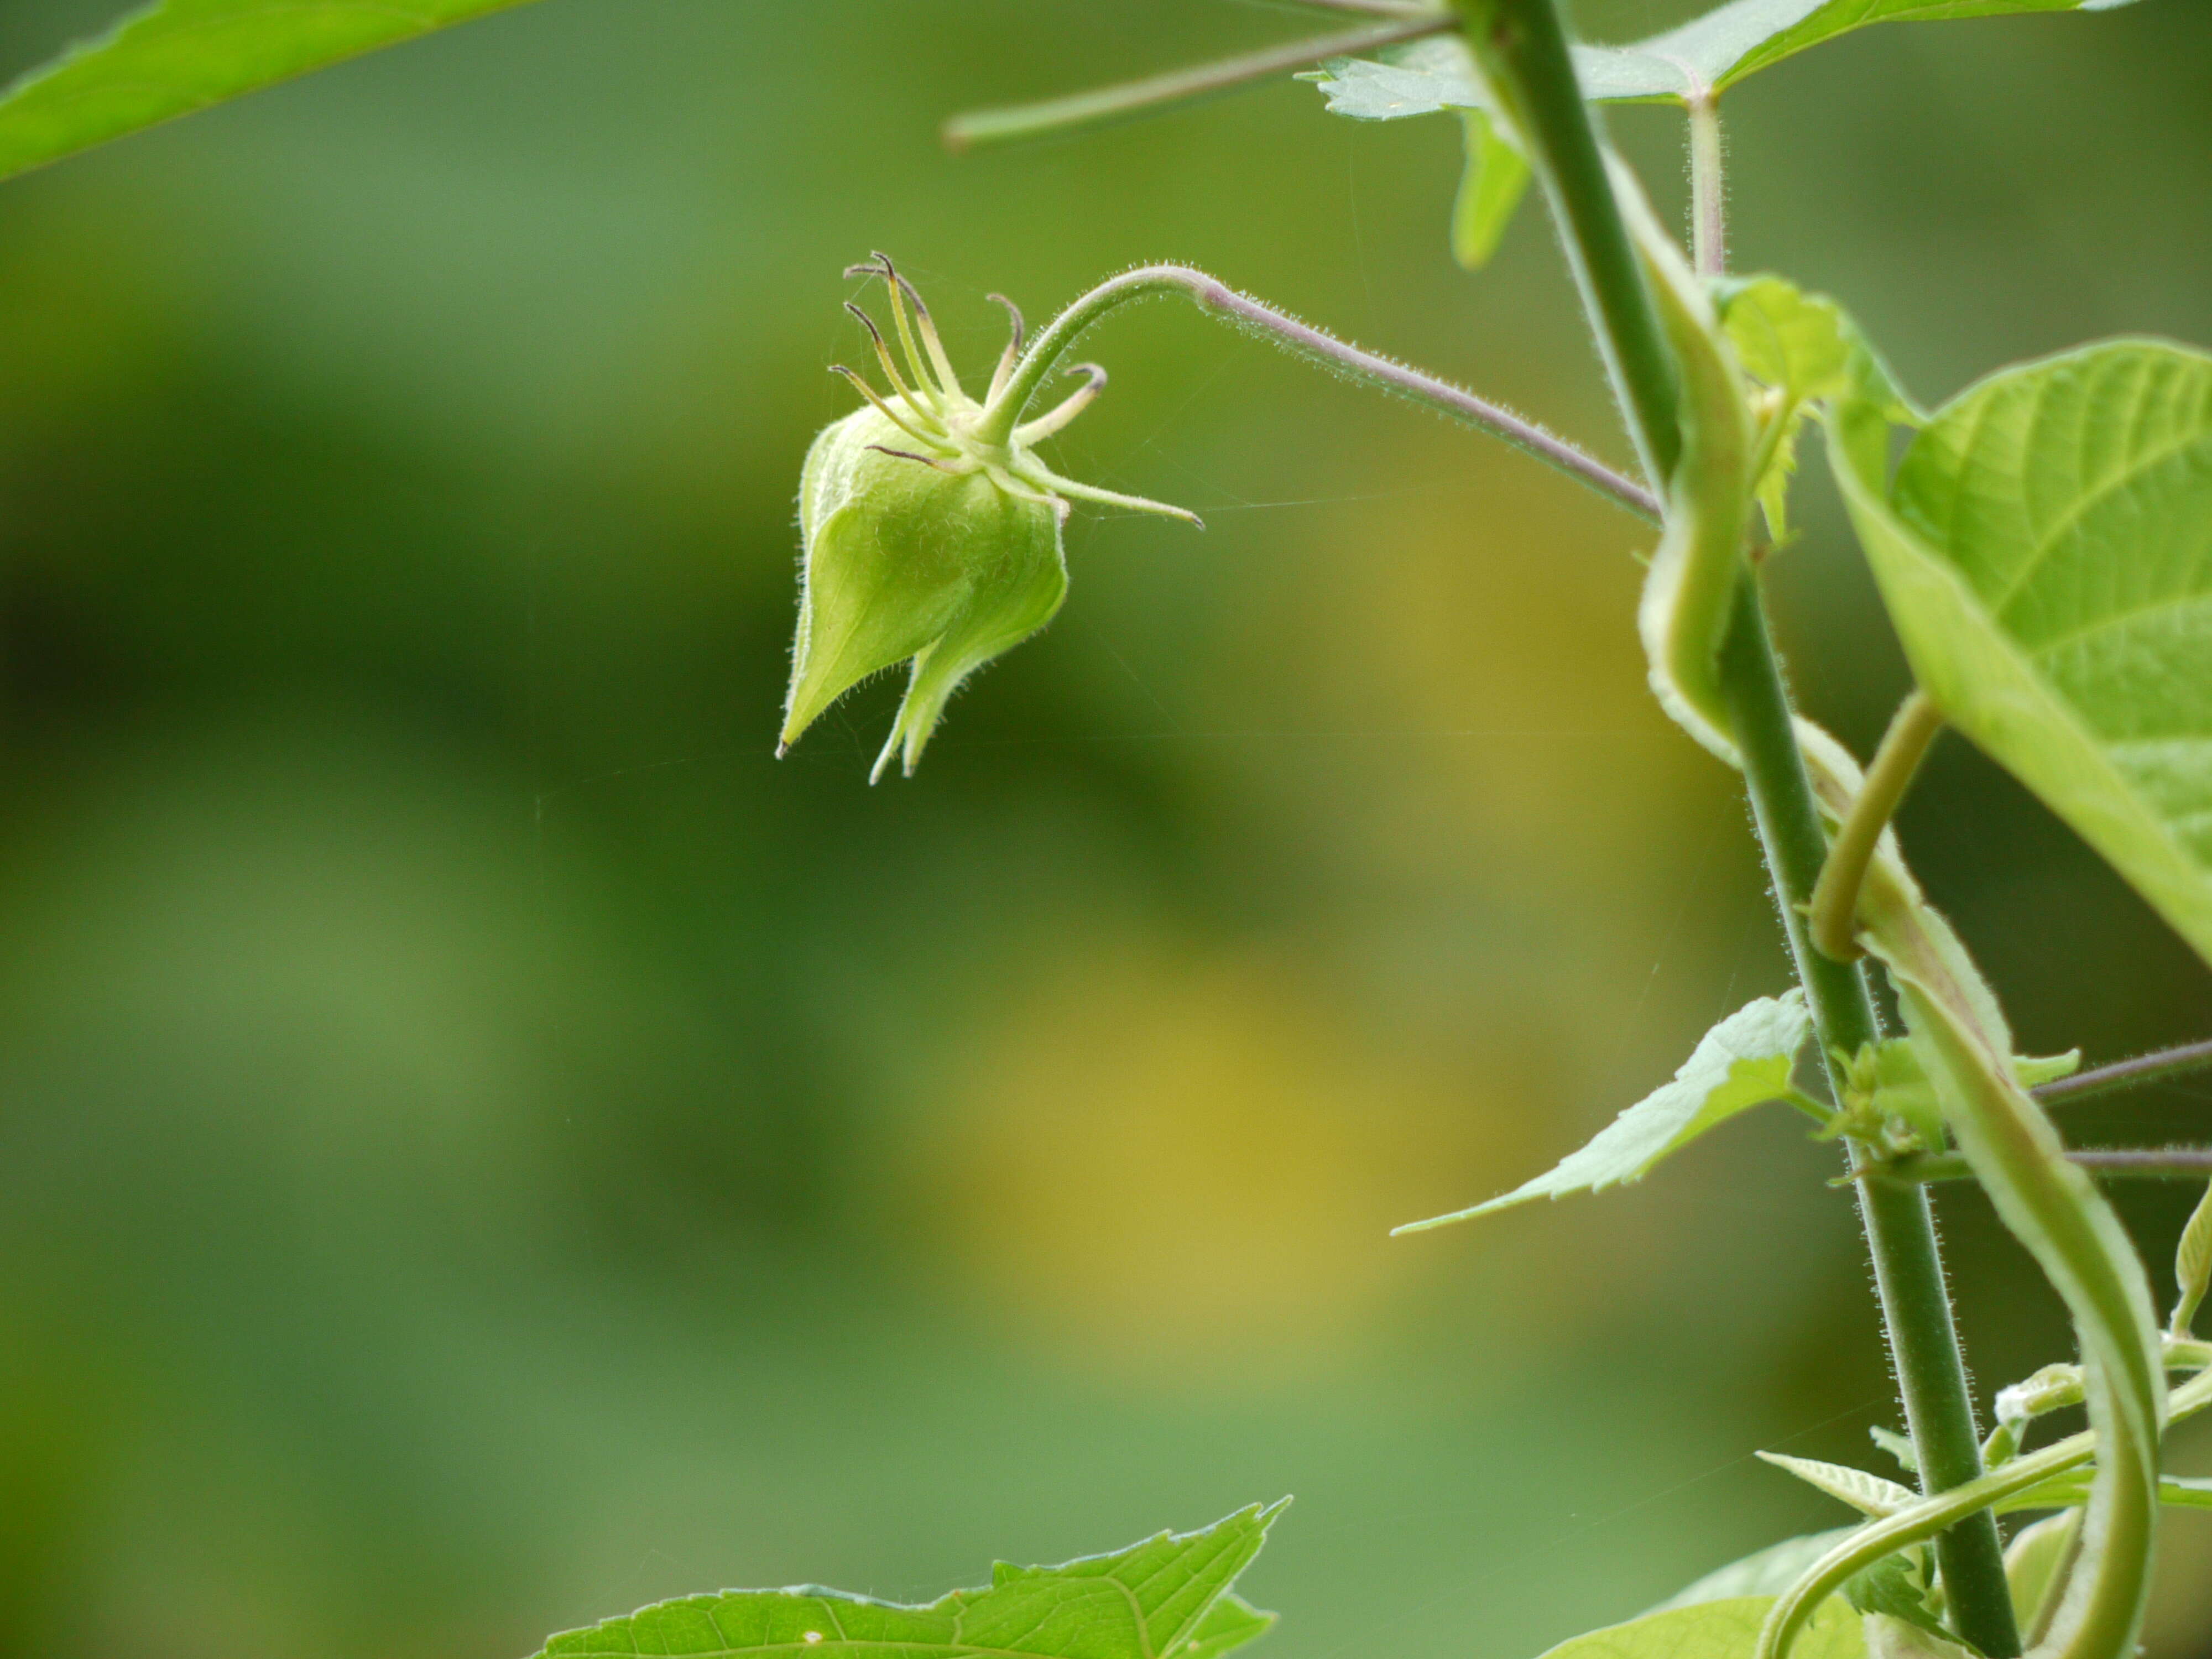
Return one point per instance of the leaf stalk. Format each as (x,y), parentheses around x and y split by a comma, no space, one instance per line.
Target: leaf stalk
(2160,1066)
(1217,298)
(1128,98)
(1912,731)
(2146,1164)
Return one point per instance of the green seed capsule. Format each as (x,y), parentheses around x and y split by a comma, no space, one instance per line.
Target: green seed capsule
(904,561)
(931,532)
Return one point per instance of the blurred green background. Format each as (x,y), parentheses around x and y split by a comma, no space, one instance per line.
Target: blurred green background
(484,1146)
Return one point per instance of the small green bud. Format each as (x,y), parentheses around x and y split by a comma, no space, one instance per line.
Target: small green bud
(929,529)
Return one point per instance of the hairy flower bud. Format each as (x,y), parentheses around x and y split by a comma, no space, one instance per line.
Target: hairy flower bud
(930,530)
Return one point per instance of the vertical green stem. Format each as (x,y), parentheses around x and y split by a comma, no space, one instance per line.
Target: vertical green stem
(1522,48)
(1900,1229)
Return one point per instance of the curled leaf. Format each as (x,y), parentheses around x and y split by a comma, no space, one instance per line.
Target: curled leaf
(1691,588)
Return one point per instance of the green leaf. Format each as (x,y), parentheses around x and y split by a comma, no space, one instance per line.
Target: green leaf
(1802,348)
(1869,1494)
(1739,40)
(1805,345)
(1773,486)
(1166,1598)
(1717,1629)
(1902,1088)
(1698,568)
(2036,1069)
(179,55)
(1232,1622)
(2046,553)
(1743,1061)
(1709,54)
(1897,1587)
(2033,1561)
(1899,1446)
(2054,1210)
(1890,1638)
(1496,178)
(2192,1266)
(1766,1572)
(2072,1489)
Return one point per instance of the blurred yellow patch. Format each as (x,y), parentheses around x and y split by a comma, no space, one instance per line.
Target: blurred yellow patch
(1162,1162)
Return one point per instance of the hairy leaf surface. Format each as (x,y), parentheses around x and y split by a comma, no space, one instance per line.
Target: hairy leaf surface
(179,55)
(1743,1061)
(2045,552)
(1166,1598)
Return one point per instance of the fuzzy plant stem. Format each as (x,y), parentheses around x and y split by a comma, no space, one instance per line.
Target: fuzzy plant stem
(1263,321)
(2126,1162)
(1899,1224)
(2136,1073)
(1521,47)
(1708,191)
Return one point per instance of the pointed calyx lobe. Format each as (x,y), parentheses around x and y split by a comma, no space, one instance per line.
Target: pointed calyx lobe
(930,529)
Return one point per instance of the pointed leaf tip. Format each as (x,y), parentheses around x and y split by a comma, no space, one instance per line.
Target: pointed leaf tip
(1870,1494)
(1743,1062)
